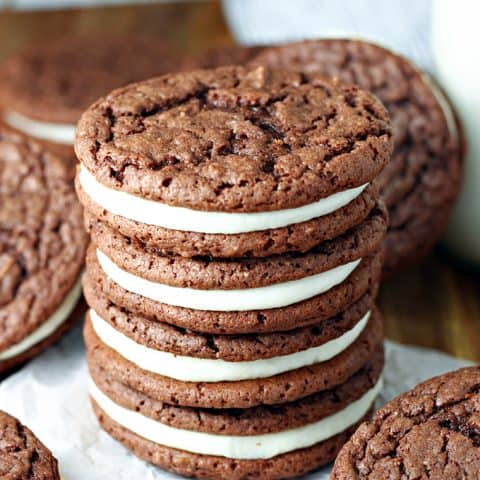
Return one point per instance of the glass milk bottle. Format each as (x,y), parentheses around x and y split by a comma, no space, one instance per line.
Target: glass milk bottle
(456,51)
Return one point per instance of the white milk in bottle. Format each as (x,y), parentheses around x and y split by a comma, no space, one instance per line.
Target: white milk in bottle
(456,50)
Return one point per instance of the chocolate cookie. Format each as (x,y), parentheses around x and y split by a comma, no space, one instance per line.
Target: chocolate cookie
(7,366)
(298,237)
(22,455)
(207,273)
(42,245)
(288,465)
(285,387)
(362,280)
(277,441)
(230,151)
(237,247)
(250,421)
(265,441)
(422,180)
(428,432)
(233,348)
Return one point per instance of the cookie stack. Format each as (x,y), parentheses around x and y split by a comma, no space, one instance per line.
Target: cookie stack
(236,252)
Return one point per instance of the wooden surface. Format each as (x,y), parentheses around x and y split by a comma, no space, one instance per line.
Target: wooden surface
(435,304)
(185,26)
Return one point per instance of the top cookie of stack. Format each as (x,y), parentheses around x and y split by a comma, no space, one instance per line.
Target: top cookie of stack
(232,162)
(236,251)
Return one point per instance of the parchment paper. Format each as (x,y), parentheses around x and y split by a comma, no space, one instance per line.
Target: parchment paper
(50,396)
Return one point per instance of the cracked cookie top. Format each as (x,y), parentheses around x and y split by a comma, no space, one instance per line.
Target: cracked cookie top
(22,455)
(420,183)
(430,432)
(235,139)
(42,242)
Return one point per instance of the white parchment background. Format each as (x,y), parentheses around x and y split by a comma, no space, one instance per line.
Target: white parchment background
(50,396)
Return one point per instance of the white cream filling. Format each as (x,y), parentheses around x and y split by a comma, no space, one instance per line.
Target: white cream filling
(52,132)
(179,218)
(239,447)
(191,369)
(47,328)
(260,298)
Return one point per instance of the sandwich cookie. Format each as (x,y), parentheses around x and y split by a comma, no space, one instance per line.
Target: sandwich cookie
(211,274)
(362,280)
(243,442)
(289,465)
(430,431)
(294,238)
(22,455)
(198,369)
(45,88)
(213,391)
(42,245)
(422,180)
(243,284)
(231,152)
(180,342)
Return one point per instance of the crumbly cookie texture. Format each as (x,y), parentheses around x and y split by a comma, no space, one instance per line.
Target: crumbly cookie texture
(282,467)
(206,273)
(42,240)
(285,387)
(235,139)
(430,432)
(421,181)
(231,348)
(362,280)
(22,455)
(250,421)
(299,237)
